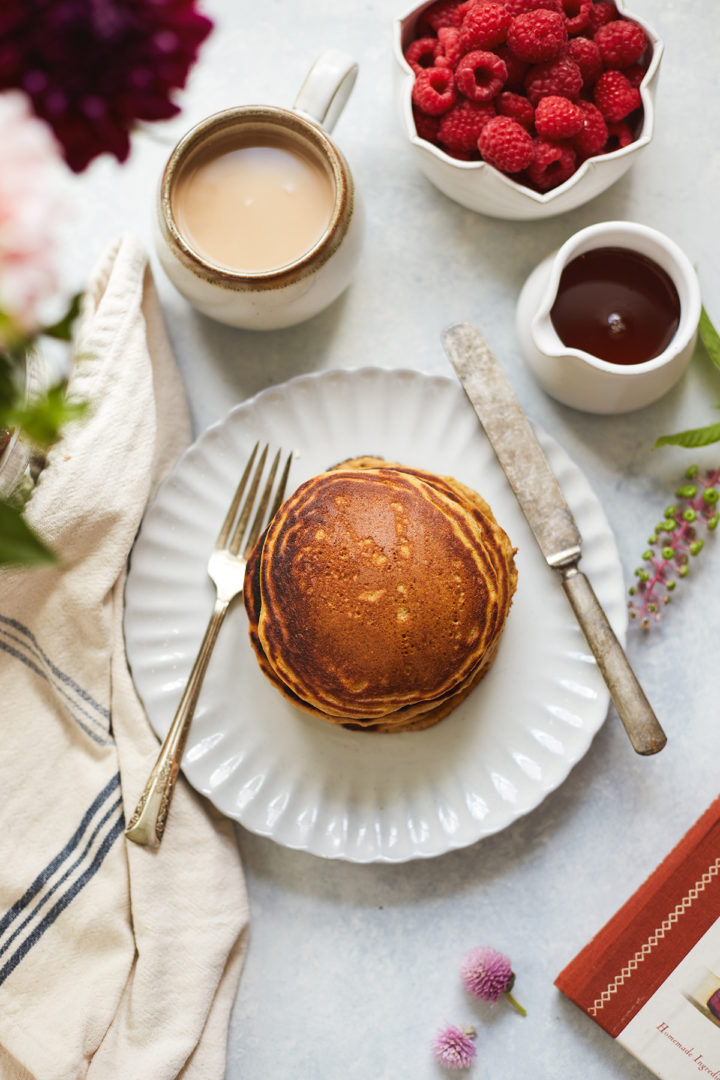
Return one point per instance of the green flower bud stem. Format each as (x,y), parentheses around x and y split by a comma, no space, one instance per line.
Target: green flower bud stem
(515,1004)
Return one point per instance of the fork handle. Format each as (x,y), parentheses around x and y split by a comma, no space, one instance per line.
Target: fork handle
(147,824)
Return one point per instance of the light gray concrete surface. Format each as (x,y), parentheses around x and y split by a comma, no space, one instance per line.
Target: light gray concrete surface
(351,969)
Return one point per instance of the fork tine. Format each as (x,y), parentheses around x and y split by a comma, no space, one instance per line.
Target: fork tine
(259,514)
(280,493)
(233,545)
(227,524)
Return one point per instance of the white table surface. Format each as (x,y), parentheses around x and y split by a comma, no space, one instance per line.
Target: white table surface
(352,968)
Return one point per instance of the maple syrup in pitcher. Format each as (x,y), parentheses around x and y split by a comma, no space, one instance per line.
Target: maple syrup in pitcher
(617,305)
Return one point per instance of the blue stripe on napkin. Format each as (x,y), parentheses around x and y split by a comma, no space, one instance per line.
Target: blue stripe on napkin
(100,826)
(80,705)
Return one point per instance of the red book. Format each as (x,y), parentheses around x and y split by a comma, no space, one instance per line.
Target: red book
(651,976)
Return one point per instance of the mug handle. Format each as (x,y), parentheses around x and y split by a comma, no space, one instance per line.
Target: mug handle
(326,89)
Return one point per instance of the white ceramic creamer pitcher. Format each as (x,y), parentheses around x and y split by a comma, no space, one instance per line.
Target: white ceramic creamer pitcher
(587,382)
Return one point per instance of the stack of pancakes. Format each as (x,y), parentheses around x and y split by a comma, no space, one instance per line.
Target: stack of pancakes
(377,595)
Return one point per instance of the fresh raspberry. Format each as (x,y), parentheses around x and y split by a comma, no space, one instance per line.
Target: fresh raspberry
(516,69)
(635,74)
(426,126)
(591,139)
(519,7)
(537,36)
(444,13)
(577,15)
(460,128)
(448,51)
(587,56)
(615,96)
(557,118)
(484,26)
(553,163)
(421,54)
(561,77)
(506,144)
(603,11)
(434,90)
(480,75)
(621,43)
(516,107)
(619,135)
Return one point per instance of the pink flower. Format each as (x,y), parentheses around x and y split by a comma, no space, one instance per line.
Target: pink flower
(94,67)
(29,205)
(488,975)
(674,542)
(454,1048)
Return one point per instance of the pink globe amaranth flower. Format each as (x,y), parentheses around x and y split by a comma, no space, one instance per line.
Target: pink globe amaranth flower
(454,1048)
(488,975)
(30,204)
(94,67)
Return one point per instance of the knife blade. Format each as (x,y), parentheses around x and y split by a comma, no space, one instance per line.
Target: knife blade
(538,492)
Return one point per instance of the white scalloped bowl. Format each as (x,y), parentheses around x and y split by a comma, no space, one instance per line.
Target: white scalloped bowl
(482,188)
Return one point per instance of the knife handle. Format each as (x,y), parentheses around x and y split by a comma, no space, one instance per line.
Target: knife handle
(634,709)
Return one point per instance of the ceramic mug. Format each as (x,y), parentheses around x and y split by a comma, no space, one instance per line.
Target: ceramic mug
(587,382)
(298,289)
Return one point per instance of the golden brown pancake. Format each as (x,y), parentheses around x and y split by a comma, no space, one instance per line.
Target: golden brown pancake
(377,595)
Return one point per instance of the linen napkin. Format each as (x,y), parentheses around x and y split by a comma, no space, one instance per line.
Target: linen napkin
(651,976)
(115,960)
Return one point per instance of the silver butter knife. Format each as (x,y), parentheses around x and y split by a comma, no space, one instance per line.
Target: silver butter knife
(549,516)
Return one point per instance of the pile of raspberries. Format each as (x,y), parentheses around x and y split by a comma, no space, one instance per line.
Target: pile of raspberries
(532,87)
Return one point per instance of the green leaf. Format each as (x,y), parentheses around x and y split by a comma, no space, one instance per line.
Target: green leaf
(11,381)
(710,337)
(693,438)
(62,329)
(43,419)
(9,330)
(18,543)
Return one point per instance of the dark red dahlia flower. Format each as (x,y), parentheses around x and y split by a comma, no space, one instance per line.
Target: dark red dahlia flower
(94,67)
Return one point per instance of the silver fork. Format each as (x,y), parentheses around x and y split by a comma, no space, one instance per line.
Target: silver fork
(226,568)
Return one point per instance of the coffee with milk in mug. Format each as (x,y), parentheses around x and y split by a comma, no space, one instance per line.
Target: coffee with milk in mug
(254,203)
(258,221)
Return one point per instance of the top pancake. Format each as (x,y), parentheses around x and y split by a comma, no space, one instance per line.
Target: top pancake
(380,590)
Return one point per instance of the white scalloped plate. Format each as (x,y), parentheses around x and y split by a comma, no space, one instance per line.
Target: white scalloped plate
(357,795)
